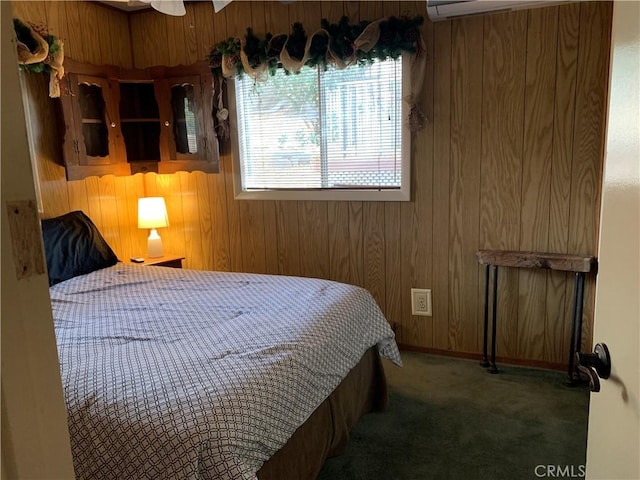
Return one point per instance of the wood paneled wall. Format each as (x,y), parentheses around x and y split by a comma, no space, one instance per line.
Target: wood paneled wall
(511,158)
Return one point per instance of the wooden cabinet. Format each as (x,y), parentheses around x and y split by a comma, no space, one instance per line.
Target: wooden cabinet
(92,142)
(125,121)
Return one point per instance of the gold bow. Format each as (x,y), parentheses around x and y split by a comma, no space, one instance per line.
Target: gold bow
(42,54)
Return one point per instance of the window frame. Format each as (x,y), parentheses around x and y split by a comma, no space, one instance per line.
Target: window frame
(403,194)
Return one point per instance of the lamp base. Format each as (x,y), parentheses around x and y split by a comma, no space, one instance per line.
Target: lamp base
(154,244)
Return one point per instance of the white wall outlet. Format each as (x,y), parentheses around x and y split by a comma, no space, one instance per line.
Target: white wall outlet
(421,302)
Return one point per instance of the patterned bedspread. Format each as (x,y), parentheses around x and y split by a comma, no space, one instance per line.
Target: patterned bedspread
(187,374)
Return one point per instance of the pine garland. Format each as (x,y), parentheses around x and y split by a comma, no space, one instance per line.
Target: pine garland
(397,35)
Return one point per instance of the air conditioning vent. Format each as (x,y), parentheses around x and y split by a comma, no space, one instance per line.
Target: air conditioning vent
(443,9)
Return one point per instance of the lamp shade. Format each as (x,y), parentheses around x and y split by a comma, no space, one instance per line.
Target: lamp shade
(152,213)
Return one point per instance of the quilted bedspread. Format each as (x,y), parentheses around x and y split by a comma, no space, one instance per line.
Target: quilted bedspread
(187,374)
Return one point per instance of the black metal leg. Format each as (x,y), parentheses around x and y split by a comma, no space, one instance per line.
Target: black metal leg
(485,360)
(574,327)
(580,302)
(492,367)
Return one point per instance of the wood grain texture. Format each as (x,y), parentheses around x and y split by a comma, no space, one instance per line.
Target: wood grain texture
(559,288)
(314,242)
(355,242)
(464,181)
(510,158)
(441,176)
(589,130)
(337,218)
(529,259)
(502,150)
(288,239)
(270,238)
(540,71)
(374,251)
(393,254)
(417,216)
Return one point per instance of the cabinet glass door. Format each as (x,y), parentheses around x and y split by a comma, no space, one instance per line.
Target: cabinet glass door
(185,128)
(94,126)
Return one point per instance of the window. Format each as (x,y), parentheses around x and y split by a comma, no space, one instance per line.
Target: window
(323,135)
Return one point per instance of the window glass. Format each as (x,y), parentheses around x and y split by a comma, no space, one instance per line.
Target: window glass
(323,131)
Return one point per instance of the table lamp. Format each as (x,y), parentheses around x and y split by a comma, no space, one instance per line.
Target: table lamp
(152,213)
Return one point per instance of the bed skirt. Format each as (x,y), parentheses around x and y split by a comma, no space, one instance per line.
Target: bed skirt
(326,431)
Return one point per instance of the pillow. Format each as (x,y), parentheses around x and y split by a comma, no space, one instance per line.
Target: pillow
(73,246)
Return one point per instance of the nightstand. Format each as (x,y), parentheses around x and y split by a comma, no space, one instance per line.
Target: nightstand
(173,261)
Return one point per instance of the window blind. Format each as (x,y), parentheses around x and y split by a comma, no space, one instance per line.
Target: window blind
(333,129)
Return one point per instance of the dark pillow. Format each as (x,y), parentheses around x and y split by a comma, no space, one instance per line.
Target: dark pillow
(73,246)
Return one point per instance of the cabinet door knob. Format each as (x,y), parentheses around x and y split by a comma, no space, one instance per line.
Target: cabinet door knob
(166,123)
(113,124)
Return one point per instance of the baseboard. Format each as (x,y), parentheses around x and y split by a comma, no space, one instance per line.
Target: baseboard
(478,356)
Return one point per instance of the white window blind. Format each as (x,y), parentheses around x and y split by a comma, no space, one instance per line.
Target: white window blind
(335,130)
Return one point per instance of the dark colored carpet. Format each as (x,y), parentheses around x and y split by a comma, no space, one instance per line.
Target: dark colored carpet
(449,419)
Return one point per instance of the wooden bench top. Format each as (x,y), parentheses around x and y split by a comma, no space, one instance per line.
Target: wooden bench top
(550,261)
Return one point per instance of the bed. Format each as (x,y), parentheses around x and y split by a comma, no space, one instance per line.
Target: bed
(173,373)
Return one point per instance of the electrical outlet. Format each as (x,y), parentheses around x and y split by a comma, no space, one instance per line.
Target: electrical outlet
(421,302)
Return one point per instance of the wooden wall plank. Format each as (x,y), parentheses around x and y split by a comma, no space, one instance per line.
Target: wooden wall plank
(371,10)
(192,217)
(177,47)
(466,119)
(74,45)
(395,302)
(559,292)
(441,182)
(374,251)
(109,212)
(417,216)
(134,186)
(149,39)
(122,46)
(94,210)
(234,25)
(31,11)
(352,11)
(589,129)
(96,52)
(271,238)
(338,217)
(78,197)
(356,252)
(288,240)
(203,12)
(314,242)
(174,238)
(502,134)
(542,33)
(219,223)
(393,253)
(332,11)
(56,19)
(190,38)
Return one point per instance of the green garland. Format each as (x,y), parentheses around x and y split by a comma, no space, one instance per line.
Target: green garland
(397,35)
(23,33)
